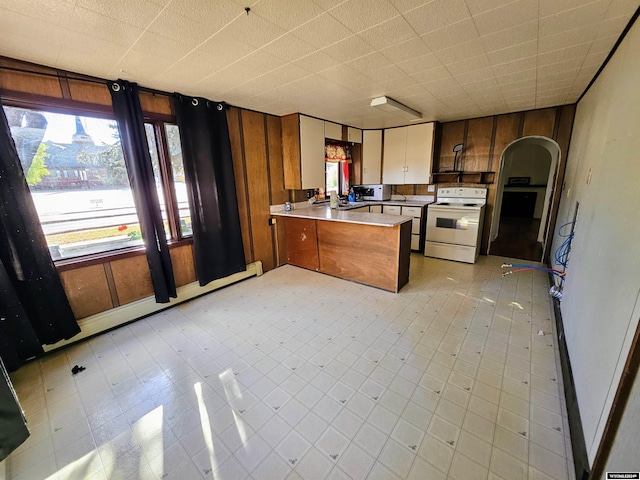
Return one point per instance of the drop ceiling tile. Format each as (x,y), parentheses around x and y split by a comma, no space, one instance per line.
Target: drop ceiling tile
(477,7)
(160,46)
(139,13)
(254,30)
(460,52)
(214,14)
(316,62)
(327,4)
(546,76)
(344,76)
(507,16)
(419,64)
(585,15)
(369,63)
(469,65)
(399,82)
(436,14)
(348,49)
(287,14)
(289,48)
(54,12)
(482,88)
(621,8)
(524,75)
(322,31)
(564,85)
(359,15)
(405,5)
(526,32)
(451,35)
(431,75)
(612,26)
(23,47)
(138,64)
(511,54)
(388,74)
(475,76)
(443,87)
(406,50)
(553,7)
(526,63)
(594,59)
(566,39)
(565,54)
(172,25)
(603,44)
(98,26)
(391,32)
(218,52)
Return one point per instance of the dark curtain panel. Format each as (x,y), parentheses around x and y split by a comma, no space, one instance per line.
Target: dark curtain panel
(34,309)
(126,106)
(208,168)
(13,428)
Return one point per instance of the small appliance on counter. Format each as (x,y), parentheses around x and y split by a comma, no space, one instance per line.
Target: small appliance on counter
(377,193)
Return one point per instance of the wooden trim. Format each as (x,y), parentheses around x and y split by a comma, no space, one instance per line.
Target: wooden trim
(494,129)
(246,185)
(464,142)
(627,380)
(521,124)
(55,105)
(111,255)
(274,237)
(632,20)
(112,284)
(556,123)
(166,175)
(64,85)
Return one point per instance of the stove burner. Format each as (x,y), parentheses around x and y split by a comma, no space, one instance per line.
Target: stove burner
(469,204)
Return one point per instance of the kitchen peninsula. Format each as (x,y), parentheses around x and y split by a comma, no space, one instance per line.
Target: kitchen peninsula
(369,248)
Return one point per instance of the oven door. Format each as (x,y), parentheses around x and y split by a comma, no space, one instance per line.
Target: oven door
(454,225)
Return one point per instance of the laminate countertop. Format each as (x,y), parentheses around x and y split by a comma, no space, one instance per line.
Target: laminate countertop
(324,212)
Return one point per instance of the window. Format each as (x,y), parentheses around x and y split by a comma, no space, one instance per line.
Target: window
(177,168)
(78,180)
(336,178)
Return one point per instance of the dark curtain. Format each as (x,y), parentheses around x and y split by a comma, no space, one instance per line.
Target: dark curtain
(208,168)
(13,428)
(126,106)
(34,309)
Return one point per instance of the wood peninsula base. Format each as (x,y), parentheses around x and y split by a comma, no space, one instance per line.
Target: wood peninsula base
(369,254)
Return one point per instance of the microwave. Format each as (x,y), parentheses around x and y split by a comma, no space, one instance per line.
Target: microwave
(373,192)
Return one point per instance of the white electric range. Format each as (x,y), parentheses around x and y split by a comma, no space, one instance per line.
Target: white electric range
(454,224)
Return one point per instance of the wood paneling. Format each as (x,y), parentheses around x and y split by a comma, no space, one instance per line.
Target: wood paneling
(477,145)
(89,92)
(281,243)
(156,103)
(87,290)
(237,152)
(452,134)
(301,242)
(365,253)
(184,271)
(28,82)
(132,278)
(539,122)
(255,153)
(291,151)
(279,194)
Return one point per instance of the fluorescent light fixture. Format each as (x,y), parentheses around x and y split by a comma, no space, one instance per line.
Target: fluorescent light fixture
(396,108)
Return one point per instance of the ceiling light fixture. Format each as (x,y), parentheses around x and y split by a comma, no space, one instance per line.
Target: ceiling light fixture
(394,107)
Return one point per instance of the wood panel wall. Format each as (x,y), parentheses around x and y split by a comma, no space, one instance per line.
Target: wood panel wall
(485,139)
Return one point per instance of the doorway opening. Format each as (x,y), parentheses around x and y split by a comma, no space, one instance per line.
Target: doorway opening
(520,224)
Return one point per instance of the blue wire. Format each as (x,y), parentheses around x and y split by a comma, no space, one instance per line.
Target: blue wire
(561,255)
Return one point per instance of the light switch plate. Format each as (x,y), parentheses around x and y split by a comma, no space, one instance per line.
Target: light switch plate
(431,188)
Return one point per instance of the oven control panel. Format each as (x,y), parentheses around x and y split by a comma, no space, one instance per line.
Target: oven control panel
(462,192)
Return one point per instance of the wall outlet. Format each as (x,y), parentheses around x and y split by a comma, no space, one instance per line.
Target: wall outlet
(431,188)
(272,221)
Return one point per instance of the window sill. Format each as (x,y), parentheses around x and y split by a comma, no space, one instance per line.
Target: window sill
(66,264)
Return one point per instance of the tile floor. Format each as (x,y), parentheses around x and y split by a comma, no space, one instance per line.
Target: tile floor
(297,375)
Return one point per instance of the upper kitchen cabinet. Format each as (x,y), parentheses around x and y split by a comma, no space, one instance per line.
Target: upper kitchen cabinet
(354,135)
(303,152)
(371,156)
(332,130)
(408,154)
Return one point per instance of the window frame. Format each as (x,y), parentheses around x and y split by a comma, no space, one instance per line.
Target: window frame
(158,120)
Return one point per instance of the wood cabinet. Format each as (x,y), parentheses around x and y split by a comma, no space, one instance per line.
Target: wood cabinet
(408,154)
(302,244)
(332,130)
(354,135)
(417,224)
(303,152)
(371,156)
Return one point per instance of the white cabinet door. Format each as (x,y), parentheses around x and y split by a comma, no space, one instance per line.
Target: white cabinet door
(332,130)
(391,209)
(371,156)
(419,153)
(395,149)
(354,135)
(375,208)
(359,209)
(312,152)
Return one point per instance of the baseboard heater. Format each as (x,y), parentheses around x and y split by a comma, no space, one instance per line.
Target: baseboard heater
(116,317)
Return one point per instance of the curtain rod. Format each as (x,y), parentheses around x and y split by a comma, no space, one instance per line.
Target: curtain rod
(98,81)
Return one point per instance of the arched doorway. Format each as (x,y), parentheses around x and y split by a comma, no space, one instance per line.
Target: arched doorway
(519,228)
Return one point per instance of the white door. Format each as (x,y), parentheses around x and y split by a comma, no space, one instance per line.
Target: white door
(395,149)
(371,156)
(419,153)
(454,225)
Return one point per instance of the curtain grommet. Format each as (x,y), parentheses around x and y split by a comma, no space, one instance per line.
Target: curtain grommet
(194,102)
(220,107)
(115,87)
